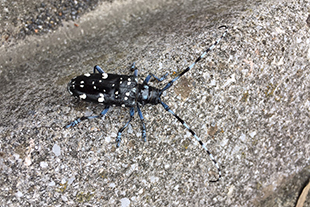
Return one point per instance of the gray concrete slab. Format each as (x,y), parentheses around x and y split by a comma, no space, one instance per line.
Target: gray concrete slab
(248,100)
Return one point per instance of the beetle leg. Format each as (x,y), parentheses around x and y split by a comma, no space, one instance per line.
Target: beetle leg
(142,122)
(119,134)
(147,79)
(78,120)
(97,68)
(133,67)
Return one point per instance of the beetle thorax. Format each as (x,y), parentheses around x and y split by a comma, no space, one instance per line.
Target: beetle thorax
(148,94)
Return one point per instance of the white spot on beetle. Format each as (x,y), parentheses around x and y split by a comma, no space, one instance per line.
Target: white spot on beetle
(104,75)
(116,92)
(126,98)
(128,83)
(104,90)
(113,85)
(87,74)
(93,82)
(129,79)
(82,82)
(95,87)
(121,78)
(101,98)
(123,105)
(81,86)
(120,82)
(127,93)
(83,96)
(100,81)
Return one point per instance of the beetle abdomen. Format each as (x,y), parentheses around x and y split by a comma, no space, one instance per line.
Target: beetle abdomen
(105,88)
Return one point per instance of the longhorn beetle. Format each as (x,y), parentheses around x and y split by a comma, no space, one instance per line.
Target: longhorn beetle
(124,90)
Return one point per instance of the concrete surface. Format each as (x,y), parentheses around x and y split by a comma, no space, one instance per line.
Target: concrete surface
(28,17)
(248,100)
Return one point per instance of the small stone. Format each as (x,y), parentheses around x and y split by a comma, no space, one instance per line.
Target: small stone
(125,202)
(56,150)
(43,164)
(19,194)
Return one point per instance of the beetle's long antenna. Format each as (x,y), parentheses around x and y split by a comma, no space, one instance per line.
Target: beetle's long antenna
(197,60)
(166,107)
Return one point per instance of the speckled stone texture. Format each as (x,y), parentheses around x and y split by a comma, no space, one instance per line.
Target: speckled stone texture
(248,100)
(28,17)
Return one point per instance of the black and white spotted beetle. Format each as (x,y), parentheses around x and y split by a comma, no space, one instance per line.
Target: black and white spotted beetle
(124,90)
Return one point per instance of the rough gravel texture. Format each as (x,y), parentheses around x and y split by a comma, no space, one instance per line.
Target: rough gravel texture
(248,100)
(24,17)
